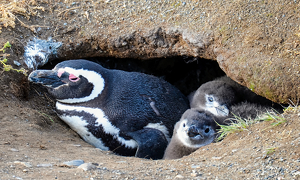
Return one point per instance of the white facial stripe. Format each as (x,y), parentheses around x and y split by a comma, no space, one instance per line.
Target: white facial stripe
(161,128)
(93,77)
(185,139)
(101,120)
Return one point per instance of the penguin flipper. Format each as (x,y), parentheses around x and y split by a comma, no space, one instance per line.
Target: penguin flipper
(151,143)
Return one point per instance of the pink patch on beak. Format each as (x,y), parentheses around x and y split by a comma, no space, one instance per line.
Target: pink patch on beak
(73,78)
(60,72)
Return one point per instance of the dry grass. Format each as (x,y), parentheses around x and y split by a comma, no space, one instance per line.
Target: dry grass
(10,8)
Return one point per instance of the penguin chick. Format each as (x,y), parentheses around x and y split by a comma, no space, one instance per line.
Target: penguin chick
(245,94)
(215,97)
(194,130)
(218,96)
(129,113)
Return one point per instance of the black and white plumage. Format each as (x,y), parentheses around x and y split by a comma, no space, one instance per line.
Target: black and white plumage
(218,96)
(194,130)
(112,109)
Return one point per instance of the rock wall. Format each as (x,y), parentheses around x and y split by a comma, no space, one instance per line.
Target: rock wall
(256,43)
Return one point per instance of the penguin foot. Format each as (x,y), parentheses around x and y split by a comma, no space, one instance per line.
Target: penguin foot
(151,143)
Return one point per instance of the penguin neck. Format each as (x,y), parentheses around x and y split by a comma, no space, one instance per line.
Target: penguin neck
(176,149)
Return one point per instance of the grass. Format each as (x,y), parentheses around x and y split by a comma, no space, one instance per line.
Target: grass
(46,116)
(7,67)
(271,150)
(10,8)
(239,124)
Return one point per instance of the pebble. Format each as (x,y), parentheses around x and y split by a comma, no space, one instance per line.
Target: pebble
(87,166)
(179,176)
(216,158)
(196,166)
(14,150)
(72,163)
(17,63)
(234,150)
(17,177)
(26,164)
(44,165)
(121,161)
(194,174)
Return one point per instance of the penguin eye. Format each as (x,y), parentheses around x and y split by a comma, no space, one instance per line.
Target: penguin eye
(206,130)
(183,124)
(210,99)
(73,78)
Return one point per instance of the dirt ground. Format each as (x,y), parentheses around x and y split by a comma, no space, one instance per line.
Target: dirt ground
(34,142)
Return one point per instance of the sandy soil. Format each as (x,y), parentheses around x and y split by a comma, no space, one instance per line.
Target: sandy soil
(35,143)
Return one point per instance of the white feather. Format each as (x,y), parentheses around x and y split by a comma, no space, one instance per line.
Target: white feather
(102,120)
(161,128)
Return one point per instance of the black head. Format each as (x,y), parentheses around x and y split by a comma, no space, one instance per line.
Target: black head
(196,128)
(71,81)
(215,97)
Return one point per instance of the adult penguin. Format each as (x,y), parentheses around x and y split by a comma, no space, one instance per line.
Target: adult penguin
(129,113)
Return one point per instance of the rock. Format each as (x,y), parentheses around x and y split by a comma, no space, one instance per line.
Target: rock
(87,166)
(72,163)
(179,176)
(44,165)
(26,164)
(194,174)
(14,150)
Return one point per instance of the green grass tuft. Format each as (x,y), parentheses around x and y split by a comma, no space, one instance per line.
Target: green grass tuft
(239,124)
(7,67)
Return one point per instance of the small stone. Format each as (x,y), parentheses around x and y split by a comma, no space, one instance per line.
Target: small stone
(194,174)
(121,161)
(44,165)
(179,176)
(25,170)
(234,150)
(26,164)
(14,150)
(216,158)
(87,166)
(196,166)
(72,163)
(17,63)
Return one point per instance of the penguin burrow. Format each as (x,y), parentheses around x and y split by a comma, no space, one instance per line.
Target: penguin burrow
(134,114)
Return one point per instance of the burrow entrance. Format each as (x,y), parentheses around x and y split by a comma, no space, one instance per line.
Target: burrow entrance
(185,73)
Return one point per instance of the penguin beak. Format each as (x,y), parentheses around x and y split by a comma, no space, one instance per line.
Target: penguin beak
(47,78)
(194,133)
(223,109)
